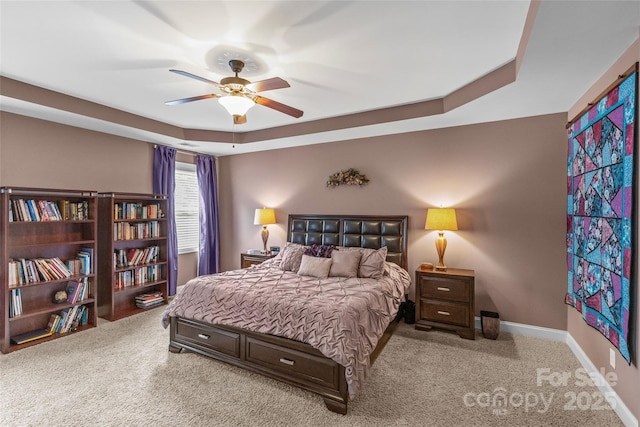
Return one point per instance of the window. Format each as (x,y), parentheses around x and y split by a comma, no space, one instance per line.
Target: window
(187,208)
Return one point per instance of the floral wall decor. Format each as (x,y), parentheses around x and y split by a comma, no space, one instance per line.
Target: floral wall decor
(347,177)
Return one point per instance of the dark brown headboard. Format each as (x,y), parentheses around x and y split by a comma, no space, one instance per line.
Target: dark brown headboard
(368,231)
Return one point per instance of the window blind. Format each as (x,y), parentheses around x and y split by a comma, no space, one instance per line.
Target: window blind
(186,207)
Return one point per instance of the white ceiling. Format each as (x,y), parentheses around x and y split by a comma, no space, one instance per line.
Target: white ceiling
(340,57)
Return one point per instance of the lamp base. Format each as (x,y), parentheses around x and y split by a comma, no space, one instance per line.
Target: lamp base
(441,245)
(265,237)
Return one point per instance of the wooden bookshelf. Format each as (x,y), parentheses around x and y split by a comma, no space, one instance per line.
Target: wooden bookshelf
(130,224)
(41,235)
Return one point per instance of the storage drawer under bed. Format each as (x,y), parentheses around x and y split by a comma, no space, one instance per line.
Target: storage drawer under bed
(307,367)
(199,335)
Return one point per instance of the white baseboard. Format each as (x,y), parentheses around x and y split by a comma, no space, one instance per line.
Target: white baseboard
(620,409)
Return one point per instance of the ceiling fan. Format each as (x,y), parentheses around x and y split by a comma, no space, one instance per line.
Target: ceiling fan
(238,94)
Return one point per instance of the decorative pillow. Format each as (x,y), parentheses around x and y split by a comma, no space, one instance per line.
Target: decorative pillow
(291,256)
(372,261)
(323,251)
(315,266)
(345,263)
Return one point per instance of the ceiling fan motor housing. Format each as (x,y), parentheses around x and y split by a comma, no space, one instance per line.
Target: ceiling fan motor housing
(236,84)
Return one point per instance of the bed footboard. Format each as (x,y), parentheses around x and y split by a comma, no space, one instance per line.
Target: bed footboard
(286,360)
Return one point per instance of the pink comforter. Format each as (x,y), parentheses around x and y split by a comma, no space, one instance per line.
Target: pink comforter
(343,318)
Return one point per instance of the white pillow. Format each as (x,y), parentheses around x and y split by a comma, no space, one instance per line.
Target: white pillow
(315,266)
(372,261)
(344,263)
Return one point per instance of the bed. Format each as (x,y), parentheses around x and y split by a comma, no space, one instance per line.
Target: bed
(312,331)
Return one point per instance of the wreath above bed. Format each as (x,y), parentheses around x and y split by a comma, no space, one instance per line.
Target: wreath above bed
(347,177)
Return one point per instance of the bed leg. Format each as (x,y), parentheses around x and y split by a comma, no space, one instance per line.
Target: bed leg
(174,349)
(335,406)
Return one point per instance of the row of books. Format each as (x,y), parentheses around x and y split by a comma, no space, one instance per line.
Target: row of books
(25,271)
(126,210)
(77,290)
(30,210)
(74,210)
(128,231)
(137,276)
(68,319)
(135,256)
(83,263)
(149,300)
(15,303)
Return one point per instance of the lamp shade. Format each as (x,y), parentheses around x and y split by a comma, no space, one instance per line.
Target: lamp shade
(264,216)
(236,105)
(441,219)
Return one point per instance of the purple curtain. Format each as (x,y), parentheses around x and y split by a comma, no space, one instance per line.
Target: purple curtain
(209,253)
(164,182)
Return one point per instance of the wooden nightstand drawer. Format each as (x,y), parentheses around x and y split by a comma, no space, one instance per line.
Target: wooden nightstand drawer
(449,289)
(445,312)
(247,260)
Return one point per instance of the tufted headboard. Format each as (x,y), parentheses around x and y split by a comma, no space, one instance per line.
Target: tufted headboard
(368,231)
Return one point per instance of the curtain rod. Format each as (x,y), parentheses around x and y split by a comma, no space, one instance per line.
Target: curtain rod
(193,153)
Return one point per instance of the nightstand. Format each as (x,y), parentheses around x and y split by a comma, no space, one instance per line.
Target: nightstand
(247,260)
(445,299)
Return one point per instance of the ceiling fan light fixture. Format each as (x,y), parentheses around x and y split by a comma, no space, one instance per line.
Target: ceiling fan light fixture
(236,105)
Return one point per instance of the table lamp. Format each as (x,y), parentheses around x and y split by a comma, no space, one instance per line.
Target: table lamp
(264,217)
(441,219)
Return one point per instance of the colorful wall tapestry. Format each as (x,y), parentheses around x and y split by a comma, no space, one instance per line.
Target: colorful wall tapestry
(600,189)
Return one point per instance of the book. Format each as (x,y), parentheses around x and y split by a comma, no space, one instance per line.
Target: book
(68,318)
(52,322)
(149,300)
(62,272)
(30,336)
(15,303)
(44,216)
(63,208)
(54,212)
(74,289)
(10,210)
(55,327)
(33,210)
(24,211)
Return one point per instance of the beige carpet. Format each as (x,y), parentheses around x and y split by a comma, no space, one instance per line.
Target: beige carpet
(121,374)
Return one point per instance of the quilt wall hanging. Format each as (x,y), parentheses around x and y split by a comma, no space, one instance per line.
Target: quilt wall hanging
(600,211)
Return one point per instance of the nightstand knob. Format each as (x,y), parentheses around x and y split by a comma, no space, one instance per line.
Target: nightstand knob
(444,313)
(287,361)
(440,288)
(203,336)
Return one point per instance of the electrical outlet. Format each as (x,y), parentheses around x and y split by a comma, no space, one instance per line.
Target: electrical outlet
(612,358)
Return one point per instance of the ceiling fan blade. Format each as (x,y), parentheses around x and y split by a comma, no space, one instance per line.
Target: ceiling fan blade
(193,76)
(268,84)
(294,112)
(193,98)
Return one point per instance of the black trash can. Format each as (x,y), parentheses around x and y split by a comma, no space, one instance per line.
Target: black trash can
(490,322)
(409,312)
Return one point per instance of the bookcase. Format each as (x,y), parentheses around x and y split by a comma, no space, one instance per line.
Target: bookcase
(132,253)
(47,248)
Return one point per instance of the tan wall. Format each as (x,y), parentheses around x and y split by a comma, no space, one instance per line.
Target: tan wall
(41,154)
(594,344)
(506,179)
